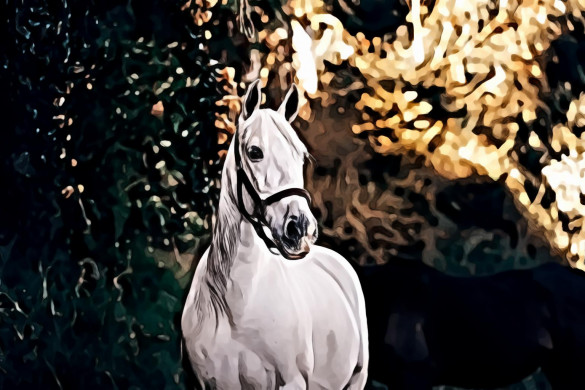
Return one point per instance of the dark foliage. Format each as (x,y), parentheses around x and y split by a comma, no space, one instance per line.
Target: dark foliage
(475,332)
(83,304)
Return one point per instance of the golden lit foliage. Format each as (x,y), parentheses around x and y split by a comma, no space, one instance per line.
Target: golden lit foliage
(487,57)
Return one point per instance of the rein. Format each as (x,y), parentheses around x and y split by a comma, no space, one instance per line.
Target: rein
(257,218)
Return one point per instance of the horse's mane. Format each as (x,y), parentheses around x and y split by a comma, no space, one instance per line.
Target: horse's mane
(226,232)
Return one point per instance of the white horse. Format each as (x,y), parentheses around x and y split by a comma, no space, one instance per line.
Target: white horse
(267,309)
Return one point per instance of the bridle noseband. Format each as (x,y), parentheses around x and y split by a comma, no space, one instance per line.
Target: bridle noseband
(257,218)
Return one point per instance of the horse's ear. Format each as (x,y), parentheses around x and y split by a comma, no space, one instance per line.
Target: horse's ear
(251,100)
(290,105)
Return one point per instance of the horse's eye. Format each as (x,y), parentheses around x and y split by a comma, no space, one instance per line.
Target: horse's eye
(255,153)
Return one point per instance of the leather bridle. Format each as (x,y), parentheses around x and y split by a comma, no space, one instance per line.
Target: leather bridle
(257,218)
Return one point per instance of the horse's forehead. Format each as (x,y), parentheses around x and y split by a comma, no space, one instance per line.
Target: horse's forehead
(267,122)
(270,127)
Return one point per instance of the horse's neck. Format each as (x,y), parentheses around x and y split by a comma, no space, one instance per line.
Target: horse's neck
(234,244)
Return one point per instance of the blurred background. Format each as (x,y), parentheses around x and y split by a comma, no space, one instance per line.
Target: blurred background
(448,132)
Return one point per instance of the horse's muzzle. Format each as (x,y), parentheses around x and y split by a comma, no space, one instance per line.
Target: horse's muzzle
(298,234)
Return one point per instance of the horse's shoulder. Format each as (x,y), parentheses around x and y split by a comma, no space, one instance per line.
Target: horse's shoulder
(339,268)
(332,260)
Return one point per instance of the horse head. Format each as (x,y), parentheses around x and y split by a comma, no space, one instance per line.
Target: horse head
(269,160)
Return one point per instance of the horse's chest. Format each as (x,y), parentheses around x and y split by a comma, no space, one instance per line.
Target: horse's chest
(294,322)
(300,314)
(269,312)
(269,334)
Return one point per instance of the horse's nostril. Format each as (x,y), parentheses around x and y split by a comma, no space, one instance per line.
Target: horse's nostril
(292,229)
